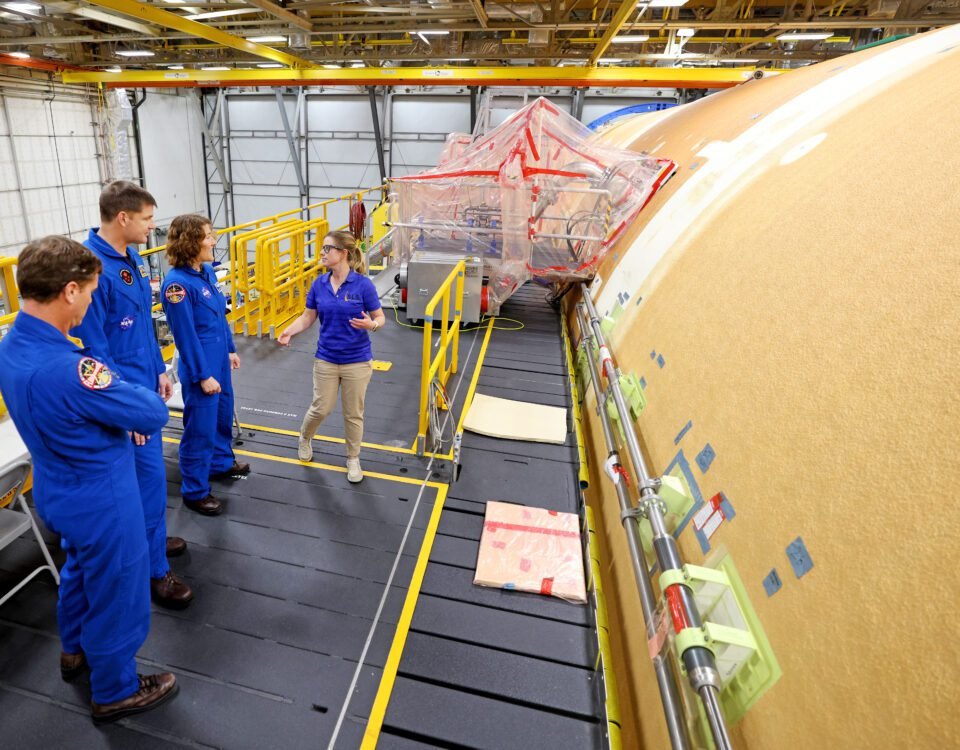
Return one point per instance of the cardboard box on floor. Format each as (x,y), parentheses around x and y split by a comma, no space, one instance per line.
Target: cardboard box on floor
(531,549)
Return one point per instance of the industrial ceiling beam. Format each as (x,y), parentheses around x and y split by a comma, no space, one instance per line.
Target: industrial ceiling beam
(481,13)
(627,8)
(711,78)
(275,10)
(169,20)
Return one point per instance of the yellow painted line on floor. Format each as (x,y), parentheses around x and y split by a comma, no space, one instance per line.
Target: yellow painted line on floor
(326,467)
(379,710)
(325,438)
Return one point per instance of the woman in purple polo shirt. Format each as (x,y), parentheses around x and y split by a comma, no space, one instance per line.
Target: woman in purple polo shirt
(348,307)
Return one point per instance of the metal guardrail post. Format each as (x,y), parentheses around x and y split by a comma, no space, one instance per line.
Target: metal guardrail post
(449,337)
(699,661)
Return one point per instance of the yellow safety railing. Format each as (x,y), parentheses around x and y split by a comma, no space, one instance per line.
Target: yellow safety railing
(8,291)
(451,290)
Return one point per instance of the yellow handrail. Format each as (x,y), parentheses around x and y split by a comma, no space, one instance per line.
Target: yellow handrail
(449,338)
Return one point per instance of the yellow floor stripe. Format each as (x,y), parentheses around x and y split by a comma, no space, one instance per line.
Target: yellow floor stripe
(326,467)
(379,710)
(476,376)
(326,438)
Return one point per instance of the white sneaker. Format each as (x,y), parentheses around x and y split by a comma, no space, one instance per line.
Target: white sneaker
(354,472)
(305,450)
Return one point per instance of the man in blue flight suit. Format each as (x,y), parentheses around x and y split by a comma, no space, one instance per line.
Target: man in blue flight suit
(75,416)
(118,330)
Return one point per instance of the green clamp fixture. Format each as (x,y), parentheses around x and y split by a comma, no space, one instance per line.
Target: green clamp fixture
(609,321)
(677,500)
(633,395)
(731,630)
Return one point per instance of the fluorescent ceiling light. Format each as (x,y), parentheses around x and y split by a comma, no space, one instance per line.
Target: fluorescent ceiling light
(357,65)
(21,55)
(329,66)
(113,69)
(174,67)
(434,32)
(736,60)
(609,60)
(630,38)
(270,65)
(686,33)
(174,2)
(216,67)
(135,53)
(266,39)
(458,59)
(803,36)
(23,7)
(224,13)
(664,3)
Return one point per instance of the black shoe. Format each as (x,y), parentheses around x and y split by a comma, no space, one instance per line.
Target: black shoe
(72,665)
(175,546)
(208,506)
(237,470)
(171,591)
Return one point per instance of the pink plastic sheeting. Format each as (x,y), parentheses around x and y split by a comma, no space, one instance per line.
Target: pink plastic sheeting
(531,549)
(536,196)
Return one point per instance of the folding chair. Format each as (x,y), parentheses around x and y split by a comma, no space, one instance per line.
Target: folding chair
(14,522)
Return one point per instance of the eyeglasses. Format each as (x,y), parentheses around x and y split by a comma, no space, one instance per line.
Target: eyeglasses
(329,248)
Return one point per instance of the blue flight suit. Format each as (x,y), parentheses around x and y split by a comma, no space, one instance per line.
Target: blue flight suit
(197,315)
(118,330)
(74,414)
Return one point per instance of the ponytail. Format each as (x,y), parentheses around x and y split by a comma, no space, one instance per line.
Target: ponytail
(348,242)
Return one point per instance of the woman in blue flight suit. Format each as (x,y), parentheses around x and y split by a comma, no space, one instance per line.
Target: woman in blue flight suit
(74,416)
(197,315)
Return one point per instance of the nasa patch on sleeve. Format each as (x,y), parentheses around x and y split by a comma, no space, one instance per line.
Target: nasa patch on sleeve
(175,294)
(94,375)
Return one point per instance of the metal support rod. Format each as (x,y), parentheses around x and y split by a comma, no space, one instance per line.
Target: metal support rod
(699,662)
(24,214)
(372,90)
(292,145)
(663,667)
(226,156)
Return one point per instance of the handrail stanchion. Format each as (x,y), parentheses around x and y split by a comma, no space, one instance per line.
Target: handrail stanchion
(449,337)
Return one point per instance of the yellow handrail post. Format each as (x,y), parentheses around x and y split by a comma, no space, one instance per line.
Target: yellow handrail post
(449,337)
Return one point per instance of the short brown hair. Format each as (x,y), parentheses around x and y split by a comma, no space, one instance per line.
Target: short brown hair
(46,266)
(121,195)
(186,234)
(346,241)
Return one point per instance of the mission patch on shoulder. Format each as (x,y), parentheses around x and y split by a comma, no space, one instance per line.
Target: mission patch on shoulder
(126,276)
(175,293)
(94,375)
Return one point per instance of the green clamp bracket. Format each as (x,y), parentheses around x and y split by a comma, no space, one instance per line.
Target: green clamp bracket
(633,395)
(731,630)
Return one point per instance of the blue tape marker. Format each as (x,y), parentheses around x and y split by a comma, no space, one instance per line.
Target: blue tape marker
(653,354)
(702,538)
(643,383)
(681,461)
(705,457)
(639,300)
(727,507)
(799,557)
(684,431)
(772,583)
(661,361)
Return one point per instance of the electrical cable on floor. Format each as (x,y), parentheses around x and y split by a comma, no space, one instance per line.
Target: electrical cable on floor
(393,570)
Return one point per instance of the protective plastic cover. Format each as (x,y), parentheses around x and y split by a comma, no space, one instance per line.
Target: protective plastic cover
(536,196)
(531,549)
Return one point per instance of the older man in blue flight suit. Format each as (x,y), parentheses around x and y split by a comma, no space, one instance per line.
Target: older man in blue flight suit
(75,416)
(118,329)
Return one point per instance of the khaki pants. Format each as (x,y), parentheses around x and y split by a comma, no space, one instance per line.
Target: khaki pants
(352,380)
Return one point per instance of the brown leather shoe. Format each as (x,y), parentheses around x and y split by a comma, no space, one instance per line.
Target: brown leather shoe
(237,470)
(154,690)
(170,591)
(175,546)
(72,665)
(209,506)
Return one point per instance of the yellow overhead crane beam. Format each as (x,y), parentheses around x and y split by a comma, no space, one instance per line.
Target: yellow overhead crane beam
(701,78)
(627,8)
(159,17)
